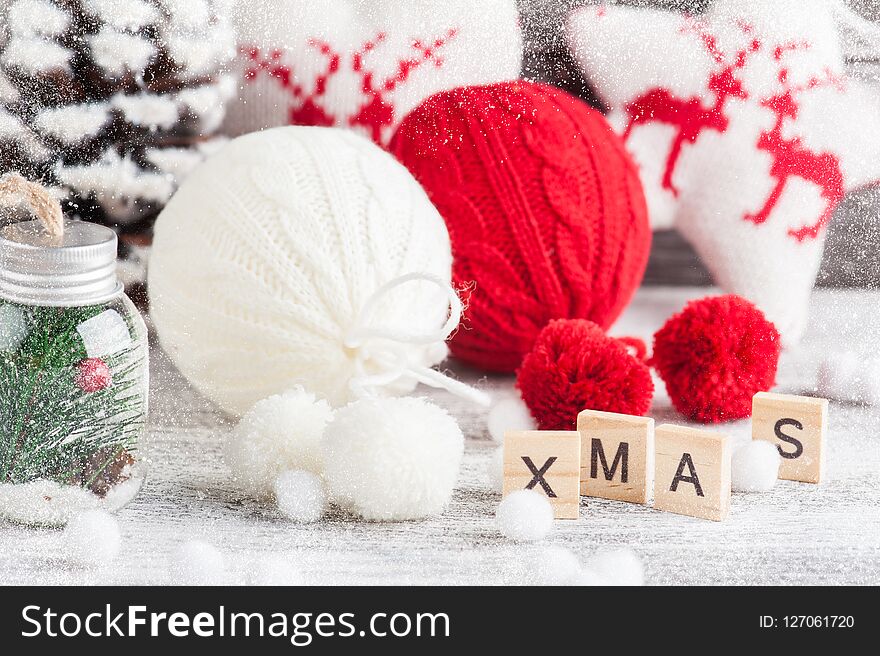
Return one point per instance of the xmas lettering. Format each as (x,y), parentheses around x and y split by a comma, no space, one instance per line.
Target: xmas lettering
(623,456)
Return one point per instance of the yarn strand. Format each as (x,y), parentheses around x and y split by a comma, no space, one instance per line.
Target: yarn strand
(398,365)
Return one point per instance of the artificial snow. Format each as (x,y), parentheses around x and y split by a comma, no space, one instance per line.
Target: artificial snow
(281,432)
(73,124)
(29,18)
(33,55)
(176,161)
(116,182)
(300,495)
(130,15)
(509,413)
(524,516)
(91,538)
(754,466)
(200,57)
(148,110)
(119,53)
(197,563)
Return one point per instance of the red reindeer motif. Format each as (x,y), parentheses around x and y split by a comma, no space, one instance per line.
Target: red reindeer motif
(688,115)
(307,111)
(792,159)
(377,112)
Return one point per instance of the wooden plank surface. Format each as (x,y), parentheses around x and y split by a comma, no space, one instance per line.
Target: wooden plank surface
(795,534)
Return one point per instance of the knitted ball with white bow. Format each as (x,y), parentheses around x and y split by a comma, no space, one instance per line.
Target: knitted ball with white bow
(303,256)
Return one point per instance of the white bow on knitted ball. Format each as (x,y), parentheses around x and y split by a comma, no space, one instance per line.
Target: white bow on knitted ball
(364,64)
(303,256)
(746,130)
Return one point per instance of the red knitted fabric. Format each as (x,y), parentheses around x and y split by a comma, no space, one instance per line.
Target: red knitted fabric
(544,208)
(575,366)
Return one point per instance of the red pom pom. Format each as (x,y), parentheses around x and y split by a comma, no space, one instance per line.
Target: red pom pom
(92,375)
(544,207)
(575,366)
(714,356)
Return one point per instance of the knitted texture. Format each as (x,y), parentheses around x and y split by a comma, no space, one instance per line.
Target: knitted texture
(363,64)
(746,129)
(543,205)
(113,102)
(575,366)
(714,356)
(265,258)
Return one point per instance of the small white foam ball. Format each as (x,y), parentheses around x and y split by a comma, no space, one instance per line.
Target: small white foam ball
(392,459)
(300,495)
(618,567)
(495,470)
(552,565)
(279,433)
(197,563)
(588,578)
(509,413)
(849,377)
(272,570)
(754,466)
(92,537)
(524,516)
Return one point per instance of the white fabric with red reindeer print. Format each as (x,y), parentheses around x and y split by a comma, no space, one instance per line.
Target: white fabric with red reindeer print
(746,129)
(364,64)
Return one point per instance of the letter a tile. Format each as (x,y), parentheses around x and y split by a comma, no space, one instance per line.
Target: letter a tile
(692,472)
(548,462)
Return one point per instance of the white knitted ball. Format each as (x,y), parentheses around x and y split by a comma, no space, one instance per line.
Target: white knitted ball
(279,433)
(392,459)
(265,259)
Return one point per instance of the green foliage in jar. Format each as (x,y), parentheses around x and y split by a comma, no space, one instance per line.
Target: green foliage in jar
(67,416)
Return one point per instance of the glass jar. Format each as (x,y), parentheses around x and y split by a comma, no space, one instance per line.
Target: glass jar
(74,375)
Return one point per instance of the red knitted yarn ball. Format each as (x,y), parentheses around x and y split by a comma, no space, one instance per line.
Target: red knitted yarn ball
(575,366)
(714,356)
(544,208)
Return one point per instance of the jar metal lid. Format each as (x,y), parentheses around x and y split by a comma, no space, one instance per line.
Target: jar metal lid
(80,270)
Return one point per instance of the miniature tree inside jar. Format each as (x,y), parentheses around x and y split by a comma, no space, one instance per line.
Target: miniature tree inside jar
(73,367)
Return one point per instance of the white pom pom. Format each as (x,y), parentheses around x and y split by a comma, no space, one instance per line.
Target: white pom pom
(392,459)
(509,413)
(495,470)
(617,567)
(92,538)
(279,433)
(849,377)
(754,466)
(552,565)
(197,563)
(587,577)
(272,570)
(300,495)
(524,516)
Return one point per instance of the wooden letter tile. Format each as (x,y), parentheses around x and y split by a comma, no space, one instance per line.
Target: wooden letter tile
(796,425)
(548,462)
(692,475)
(617,456)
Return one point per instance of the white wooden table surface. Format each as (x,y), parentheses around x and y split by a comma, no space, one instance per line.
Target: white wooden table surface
(796,534)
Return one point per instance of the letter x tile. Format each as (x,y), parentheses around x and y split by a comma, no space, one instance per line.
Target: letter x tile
(548,462)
